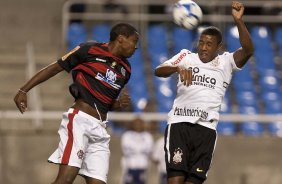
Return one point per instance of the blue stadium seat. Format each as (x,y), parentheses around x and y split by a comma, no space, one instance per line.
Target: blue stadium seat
(243,80)
(278,39)
(273,105)
(278,36)
(158,53)
(261,36)
(247,98)
(272,102)
(101,32)
(226,127)
(273,108)
(182,39)
(264,53)
(250,128)
(269,81)
(264,60)
(157,39)
(76,34)
(137,85)
(275,129)
(232,38)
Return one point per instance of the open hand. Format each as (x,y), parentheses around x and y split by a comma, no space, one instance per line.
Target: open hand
(185,76)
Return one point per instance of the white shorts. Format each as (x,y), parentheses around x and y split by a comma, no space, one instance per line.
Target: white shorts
(84,143)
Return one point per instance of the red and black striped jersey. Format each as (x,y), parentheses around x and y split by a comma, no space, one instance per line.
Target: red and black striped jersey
(98,76)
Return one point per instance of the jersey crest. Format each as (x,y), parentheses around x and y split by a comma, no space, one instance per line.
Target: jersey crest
(110,78)
(177,158)
(215,62)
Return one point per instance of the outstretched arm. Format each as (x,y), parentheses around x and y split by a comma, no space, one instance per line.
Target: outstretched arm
(242,55)
(43,75)
(166,71)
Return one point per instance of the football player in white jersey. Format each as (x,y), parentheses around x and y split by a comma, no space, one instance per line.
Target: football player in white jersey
(190,136)
(137,146)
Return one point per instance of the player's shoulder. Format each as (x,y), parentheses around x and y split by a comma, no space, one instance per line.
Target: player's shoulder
(226,54)
(186,51)
(91,43)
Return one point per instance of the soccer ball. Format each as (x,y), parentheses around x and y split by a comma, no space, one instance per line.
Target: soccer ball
(187,14)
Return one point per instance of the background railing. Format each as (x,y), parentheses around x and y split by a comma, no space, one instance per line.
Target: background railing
(128,116)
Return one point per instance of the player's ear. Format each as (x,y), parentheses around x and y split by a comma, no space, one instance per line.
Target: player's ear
(120,38)
(220,46)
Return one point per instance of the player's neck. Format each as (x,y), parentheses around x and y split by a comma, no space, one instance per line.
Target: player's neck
(114,49)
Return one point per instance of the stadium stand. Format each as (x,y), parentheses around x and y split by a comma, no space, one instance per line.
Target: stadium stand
(76,34)
(250,128)
(226,127)
(100,32)
(137,86)
(264,52)
(158,52)
(278,40)
(182,39)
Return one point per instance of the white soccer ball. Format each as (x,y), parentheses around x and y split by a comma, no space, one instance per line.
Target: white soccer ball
(187,14)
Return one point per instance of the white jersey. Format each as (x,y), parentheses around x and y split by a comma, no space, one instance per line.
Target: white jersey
(200,103)
(137,148)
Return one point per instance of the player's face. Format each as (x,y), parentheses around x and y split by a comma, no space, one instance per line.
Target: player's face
(138,125)
(207,47)
(129,45)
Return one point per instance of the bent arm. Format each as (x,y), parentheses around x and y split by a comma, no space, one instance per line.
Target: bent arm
(165,70)
(242,55)
(21,98)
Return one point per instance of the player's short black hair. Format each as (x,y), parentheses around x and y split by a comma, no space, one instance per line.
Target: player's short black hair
(122,29)
(214,31)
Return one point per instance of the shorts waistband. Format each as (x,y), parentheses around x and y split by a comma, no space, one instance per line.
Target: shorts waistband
(102,123)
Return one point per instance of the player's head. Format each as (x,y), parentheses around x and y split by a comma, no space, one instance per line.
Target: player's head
(125,37)
(138,125)
(209,43)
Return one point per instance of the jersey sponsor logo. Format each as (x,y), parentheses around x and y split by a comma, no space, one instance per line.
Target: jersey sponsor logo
(113,64)
(110,78)
(101,60)
(179,59)
(177,158)
(69,53)
(193,112)
(202,80)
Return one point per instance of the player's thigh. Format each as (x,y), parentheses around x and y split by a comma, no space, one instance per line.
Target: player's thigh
(97,156)
(66,174)
(176,180)
(93,180)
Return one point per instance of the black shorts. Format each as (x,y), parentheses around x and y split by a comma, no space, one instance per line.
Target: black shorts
(189,150)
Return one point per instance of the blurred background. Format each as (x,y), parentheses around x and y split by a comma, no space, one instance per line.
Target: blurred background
(35,33)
